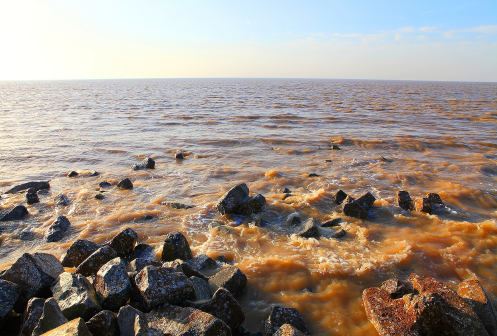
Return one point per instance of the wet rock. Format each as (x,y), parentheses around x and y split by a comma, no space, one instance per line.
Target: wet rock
(137,166)
(29,185)
(280,316)
(99,196)
(238,202)
(57,230)
(179,156)
(132,322)
(384,159)
(94,173)
(31,316)
(334,232)
(78,252)
(241,331)
(313,175)
(143,251)
(294,219)
(177,205)
(366,200)
(202,261)
(474,295)
(124,242)
(201,288)
(9,293)
(176,247)
(216,226)
(125,184)
(288,330)
(253,205)
(104,184)
(18,213)
(51,318)
(431,309)
(148,217)
(285,191)
(339,197)
(75,296)
(32,196)
(103,324)
(61,200)
(352,208)
(404,200)
(112,285)
(97,259)
(72,174)
(397,288)
(332,223)
(431,203)
(223,306)
(158,285)
(76,327)
(230,278)
(310,229)
(176,321)
(335,147)
(136,265)
(148,163)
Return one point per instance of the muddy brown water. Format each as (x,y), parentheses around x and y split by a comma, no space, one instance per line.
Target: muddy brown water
(416,136)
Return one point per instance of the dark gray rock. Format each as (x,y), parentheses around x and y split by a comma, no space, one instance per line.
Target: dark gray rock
(366,200)
(179,156)
(136,265)
(125,184)
(335,147)
(104,324)
(176,247)
(201,288)
(51,318)
(432,203)
(288,330)
(285,191)
(99,196)
(18,213)
(31,316)
(253,205)
(333,222)
(112,284)
(97,259)
(132,322)
(75,296)
(56,231)
(124,242)
(148,163)
(230,278)
(280,316)
(313,175)
(73,174)
(78,252)
(158,285)
(104,184)
(238,202)
(143,251)
(404,200)
(9,293)
(61,200)
(202,261)
(352,208)
(294,219)
(32,196)
(136,166)
(94,173)
(241,331)
(29,185)
(339,197)
(310,229)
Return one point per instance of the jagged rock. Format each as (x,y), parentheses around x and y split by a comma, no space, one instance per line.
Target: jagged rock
(158,285)
(280,316)
(112,285)
(366,200)
(310,229)
(332,223)
(31,316)
(136,265)
(179,156)
(202,261)
(132,322)
(176,247)
(99,196)
(148,163)
(75,296)
(230,278)
(430,309)
(241,331)
(125,184)
(178,206)
(143,251)
(9,293)
(73,174)
(97,259)
(124,242)
(238,202)
(104,324)
(397,288)
(223,306)
(18,213)
(29,185)
(78,252)
(431,203)
(33,273)
(352,208)
(76,327)
(56,231)
(61,200)
(178,321)
(474,295)
(253,205)
(32,196)
(404,200)
(51,318)
(339,197)
(201,288)
(288,330)
(104,184)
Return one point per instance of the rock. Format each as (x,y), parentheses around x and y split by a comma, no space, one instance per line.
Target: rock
(33,273)
(78,252)
(238,202)
(352,208)
(148,163)
(241,331)
(230,278)
(294,219)
(179,156)
(201,262)
(99,196)
(56,231)
(136,166)
(75,296)
(94,173)
(103,324)
(158,285)
(430,309)
(366,200)
(201,288)
(178,205)
(61,200)
(72,174)
(310,229)
(97,259)
(334,232)
(9,293)
(76,327)
(125,184)
(112,285)
(474,295)
(124,242)
(176,247)
(51,318)
(29,185)
(332,223)
(285,191)
(288,330)
(136,265)
(335,147)
(384,159)
(313,175)
(280,316)
(18,213)
(176,321)
(339,197)
(31,316)
(143,251)
(223,306)
(130,321)
(404,200)
(431,203)
(104,184)
(253,205)
(148,217)
(32,196)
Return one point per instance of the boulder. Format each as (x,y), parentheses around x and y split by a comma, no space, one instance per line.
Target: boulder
(352,208)
(136,265)
(332,223)
(202,261)
(31,316)
(75,296)
(132,322)
(474,295)
(366,200)
(51,318)
(404,201)
(288,330)
(61,200)
(104,184)
(32,196)
(253,205)
(143,251)
(201,288)
(103,324)
(125,184)
(78,252)
(158,285)
(9,293)
(238,202)
(230,278)
(310,229)
(56,231)
(431,203)
(339,197)
(18,213)
(280,316)
(76,327)
(29,185)
(124,242)
(112,284)
(176,247)
(179,321)
(97,259)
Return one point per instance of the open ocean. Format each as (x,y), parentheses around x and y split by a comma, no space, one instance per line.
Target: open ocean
(420,137)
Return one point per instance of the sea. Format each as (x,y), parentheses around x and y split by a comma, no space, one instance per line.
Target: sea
(271,134)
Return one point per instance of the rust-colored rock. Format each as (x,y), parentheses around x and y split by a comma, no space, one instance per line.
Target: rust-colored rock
(473,293)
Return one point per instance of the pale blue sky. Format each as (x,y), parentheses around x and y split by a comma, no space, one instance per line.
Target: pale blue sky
(419,40)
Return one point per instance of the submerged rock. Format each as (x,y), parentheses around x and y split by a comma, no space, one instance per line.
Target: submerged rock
(404,200)
(99,196)
(61,200)
(280,316)
(78,252)
(103,324)
(238,202)
(230,278)
(72,174)
(32,196)
(125,184)
(179,156)
(18,213)
(104,184)
(432,203)
(339,197)
(148,163)
(57,230)
(124,242)
(176,247)
(310,229)
(358,208)
(29,185)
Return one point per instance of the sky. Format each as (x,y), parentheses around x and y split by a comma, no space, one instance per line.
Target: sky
(353,39)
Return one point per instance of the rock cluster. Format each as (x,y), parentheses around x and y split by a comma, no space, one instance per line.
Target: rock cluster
(238,202)
(147,163)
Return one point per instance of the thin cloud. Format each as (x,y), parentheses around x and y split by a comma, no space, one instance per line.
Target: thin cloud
(406,30)
(490,29)
(428,29)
